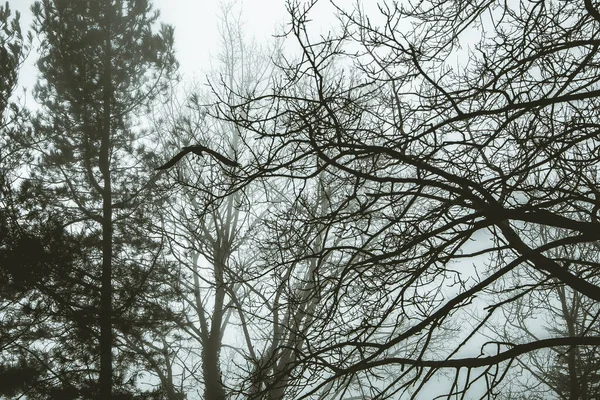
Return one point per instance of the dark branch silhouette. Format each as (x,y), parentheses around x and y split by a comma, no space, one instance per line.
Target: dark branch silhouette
(198,149)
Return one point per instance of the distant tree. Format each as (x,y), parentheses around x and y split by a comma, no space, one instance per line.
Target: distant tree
(210,230)
(253,306)
(566,372)
(101,65)
(575,372)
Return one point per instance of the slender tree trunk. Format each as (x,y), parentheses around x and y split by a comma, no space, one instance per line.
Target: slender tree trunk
(572,353)
(106,279)
(213,385)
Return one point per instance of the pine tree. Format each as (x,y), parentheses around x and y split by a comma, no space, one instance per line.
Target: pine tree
(32,242)
(575,372)
(101,64)
(11,55)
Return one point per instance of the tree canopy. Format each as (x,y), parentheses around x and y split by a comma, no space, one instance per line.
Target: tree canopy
(402,205)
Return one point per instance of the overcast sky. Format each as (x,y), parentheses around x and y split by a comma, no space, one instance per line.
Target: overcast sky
(196,33)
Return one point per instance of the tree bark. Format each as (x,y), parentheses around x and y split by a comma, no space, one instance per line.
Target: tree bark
(572,352)
(213,385)
(105,318)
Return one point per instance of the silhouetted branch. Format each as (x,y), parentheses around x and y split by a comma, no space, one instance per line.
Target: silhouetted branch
(198,150)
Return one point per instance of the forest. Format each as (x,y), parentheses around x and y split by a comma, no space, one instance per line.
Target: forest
(402,206)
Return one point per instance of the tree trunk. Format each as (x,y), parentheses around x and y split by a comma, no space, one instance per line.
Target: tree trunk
(106,279)
(213,385)
(572,352)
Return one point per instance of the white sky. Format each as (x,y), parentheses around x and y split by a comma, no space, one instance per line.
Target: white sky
(196,33)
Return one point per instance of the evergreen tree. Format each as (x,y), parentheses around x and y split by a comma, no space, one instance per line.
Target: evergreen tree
(32,241)
(14,375)
(11,55)
(575,372)
(101,65)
